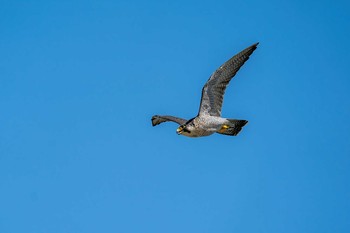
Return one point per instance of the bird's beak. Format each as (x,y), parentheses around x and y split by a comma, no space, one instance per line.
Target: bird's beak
(179,130)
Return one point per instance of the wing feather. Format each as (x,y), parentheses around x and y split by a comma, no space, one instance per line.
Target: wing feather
(214,90)
(156,120)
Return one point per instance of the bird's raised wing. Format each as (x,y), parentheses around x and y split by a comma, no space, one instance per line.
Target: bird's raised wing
(214,90)
(156,120)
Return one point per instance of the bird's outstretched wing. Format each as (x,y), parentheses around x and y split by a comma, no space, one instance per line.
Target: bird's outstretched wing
(156,120)
(214,90)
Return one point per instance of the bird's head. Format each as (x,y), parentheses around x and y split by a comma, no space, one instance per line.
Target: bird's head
(186,128)
(182,129)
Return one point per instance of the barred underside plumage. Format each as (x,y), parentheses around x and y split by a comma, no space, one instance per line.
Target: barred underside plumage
(214,90)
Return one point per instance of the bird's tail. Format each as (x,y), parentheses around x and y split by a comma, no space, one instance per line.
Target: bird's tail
(233,127)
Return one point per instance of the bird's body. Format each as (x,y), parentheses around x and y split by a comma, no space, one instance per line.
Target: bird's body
(203,126)
(209,120)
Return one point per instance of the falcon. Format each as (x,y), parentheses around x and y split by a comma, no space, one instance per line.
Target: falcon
(209,120)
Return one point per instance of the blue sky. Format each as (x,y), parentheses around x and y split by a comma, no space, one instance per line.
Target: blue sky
(80,81)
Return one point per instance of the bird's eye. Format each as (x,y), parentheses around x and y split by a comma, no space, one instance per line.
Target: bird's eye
(186,130)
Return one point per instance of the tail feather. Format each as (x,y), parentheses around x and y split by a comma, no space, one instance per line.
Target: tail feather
(233,128)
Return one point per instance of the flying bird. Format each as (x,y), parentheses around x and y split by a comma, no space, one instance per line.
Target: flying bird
(209,120)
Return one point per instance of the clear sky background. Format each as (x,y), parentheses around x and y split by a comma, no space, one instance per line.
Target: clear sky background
(80,81)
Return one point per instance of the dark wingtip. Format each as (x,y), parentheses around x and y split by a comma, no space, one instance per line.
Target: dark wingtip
(154,118)
(255,45)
